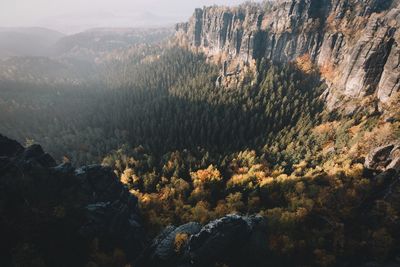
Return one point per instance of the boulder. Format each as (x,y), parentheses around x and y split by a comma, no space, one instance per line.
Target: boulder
(219,239)
(162,251)
(383,158)
(233,240)
(166,247)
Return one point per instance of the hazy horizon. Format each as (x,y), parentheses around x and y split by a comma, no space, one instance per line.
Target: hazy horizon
(71,16)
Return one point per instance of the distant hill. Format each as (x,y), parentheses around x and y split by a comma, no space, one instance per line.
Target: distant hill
(87,45)
(45,70)
(95,42)
(27,41)
(41,55)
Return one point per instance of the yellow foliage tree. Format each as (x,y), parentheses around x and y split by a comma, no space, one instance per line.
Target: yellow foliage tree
(180,241)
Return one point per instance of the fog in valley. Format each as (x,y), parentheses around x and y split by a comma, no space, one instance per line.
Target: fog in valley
(71,16)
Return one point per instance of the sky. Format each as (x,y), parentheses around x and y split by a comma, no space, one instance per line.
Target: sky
(71,16)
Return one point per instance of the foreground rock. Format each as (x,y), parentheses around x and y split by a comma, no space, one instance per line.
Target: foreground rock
(58,216)
(234,240)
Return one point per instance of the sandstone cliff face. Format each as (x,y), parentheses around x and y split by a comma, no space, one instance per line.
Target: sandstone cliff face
(356,44)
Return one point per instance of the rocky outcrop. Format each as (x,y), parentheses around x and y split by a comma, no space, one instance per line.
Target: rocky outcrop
(355,43)
(384,158)
(58,216)
(9,148)
(162,250)
(234,240)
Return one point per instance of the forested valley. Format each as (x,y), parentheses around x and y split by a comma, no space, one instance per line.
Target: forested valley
(194,151)
(194,146)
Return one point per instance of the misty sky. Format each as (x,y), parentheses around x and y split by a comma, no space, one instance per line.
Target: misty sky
(75,15)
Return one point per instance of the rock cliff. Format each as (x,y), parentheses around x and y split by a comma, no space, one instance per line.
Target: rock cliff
(356,44)
(60,216)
